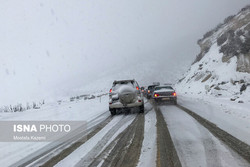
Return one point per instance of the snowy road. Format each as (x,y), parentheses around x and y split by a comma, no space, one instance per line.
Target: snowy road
(165,135)
(195,145)
(169,137)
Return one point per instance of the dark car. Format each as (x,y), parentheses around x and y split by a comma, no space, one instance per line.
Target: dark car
(164,94)
(142,89)
(150,91)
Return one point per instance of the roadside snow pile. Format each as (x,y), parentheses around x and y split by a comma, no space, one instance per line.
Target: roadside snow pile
(222,69)
(42,104)
(77,109)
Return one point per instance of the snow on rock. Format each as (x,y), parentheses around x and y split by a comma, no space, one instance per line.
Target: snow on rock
(217,85)
(221,69)
(211,76)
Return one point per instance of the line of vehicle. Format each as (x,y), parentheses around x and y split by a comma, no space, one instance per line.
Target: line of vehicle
(235,144)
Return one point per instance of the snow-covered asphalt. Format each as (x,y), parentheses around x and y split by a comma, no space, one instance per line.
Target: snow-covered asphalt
(144,140)
(195,145)
(165,135)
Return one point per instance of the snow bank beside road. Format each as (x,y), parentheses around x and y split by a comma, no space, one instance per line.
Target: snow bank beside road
(85,110)
(75,110)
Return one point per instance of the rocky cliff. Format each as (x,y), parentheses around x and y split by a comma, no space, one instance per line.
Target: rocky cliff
(222,68)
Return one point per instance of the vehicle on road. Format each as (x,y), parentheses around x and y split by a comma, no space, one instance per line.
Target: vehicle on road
(164,93)
(142,89)
(125,94)
(150,90)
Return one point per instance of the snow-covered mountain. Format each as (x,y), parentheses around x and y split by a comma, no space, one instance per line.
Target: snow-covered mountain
(223,66)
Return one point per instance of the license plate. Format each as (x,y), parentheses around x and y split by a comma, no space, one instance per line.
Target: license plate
(166,98)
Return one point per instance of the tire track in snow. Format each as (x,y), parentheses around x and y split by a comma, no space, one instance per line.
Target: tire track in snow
(211,151)
(149,146)
(101,157)
(166,152)
(194,143)
(127,149)
(53,153)
(90,157)
(235,144)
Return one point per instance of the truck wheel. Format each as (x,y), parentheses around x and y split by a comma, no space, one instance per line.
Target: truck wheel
(141,109)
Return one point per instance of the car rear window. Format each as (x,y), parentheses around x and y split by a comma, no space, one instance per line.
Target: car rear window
(151,87)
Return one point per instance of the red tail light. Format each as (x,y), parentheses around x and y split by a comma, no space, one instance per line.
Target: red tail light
(148,91)
(174,94)
(137,87)
(110,91)
(156,95)
(139,101)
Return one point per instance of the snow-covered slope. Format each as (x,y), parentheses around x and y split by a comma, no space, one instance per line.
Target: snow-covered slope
(223,67)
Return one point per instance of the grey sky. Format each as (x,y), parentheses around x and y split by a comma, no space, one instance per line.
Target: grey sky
(62,44)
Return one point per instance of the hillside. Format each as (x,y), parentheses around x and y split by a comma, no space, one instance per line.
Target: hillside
(222,68)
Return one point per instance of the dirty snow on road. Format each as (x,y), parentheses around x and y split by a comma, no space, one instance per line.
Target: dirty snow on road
(90,150)
(195,145)
(93,150)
